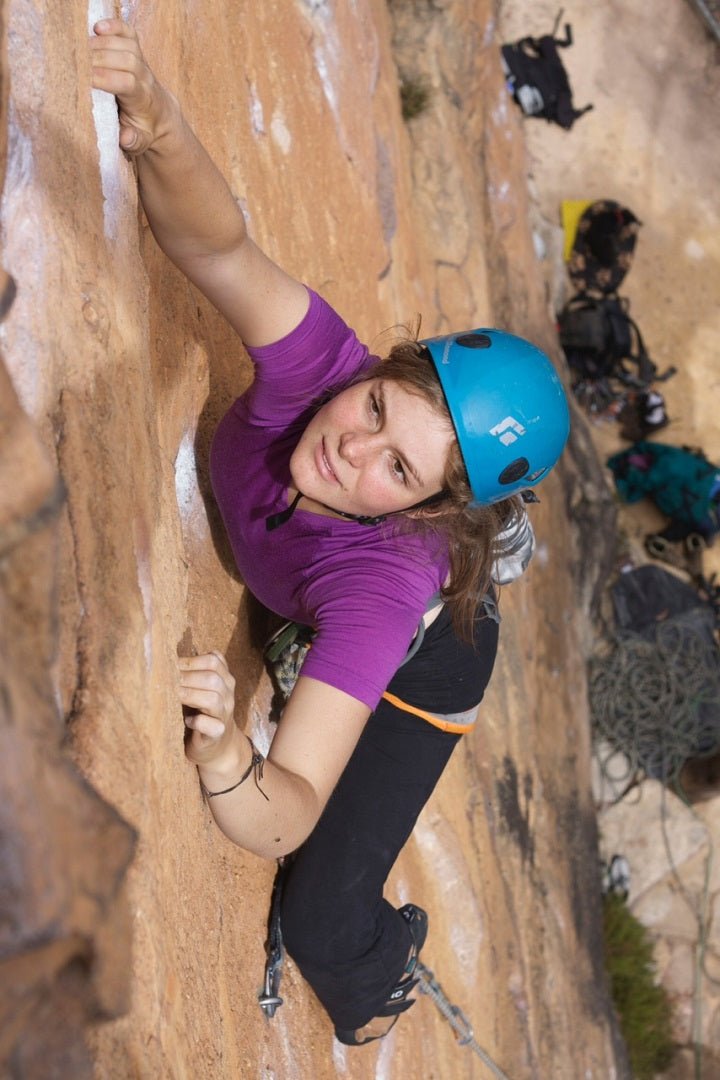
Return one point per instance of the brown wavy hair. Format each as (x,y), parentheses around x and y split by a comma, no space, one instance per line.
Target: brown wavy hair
(469,531)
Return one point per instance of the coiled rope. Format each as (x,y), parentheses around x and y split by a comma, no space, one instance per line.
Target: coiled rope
(658,701)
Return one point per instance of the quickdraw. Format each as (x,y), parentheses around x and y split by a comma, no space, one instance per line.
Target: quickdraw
(269,998)
(428,984)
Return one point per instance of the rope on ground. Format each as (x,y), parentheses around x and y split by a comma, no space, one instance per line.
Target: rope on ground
(658,701)
(429,985)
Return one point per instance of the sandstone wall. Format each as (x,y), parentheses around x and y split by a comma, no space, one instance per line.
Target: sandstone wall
(114,554)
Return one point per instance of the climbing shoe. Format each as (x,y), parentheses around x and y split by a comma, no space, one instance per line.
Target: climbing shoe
(397,1001)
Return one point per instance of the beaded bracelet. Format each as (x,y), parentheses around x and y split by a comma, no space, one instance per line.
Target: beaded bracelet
(257,763)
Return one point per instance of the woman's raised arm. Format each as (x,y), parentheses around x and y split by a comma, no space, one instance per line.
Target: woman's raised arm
(191,210)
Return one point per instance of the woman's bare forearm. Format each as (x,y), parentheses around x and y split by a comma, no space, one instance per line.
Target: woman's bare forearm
(269,814)
(188,203)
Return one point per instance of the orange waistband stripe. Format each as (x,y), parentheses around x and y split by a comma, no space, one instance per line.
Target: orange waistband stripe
(436,721)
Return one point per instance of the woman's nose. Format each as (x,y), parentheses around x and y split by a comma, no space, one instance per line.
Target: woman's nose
(355,447)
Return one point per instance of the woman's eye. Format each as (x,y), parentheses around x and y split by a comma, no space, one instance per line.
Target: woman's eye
(399,470)
(374,406)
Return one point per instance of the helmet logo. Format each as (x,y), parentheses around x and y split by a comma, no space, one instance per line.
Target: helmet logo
(508,430)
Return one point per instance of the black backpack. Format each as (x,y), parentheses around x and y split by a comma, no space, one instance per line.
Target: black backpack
(603,247)
(537,78)
(600,340)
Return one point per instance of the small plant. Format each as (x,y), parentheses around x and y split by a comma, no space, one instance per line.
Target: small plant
(642,1006)
(415,96)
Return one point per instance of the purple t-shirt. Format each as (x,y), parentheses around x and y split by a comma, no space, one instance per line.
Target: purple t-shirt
(363,588)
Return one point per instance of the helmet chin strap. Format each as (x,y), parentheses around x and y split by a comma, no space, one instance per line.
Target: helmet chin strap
(274,520)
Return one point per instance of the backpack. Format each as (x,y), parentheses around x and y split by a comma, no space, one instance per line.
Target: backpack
(603,247)
(680,480)
(600,341)
(537,79)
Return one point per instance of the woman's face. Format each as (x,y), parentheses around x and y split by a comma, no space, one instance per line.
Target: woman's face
(374,448)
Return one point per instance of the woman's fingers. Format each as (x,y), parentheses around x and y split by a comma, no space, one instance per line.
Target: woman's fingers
(117,62)
(116,28)
(205,725)
(206,701)
(118,68)
(212,661)
(208,688)
(210,671)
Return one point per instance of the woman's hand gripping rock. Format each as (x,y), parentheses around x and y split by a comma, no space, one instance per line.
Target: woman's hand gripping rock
(118,66)
(207,690)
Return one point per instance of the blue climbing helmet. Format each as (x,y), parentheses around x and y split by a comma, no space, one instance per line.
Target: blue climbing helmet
(508,406)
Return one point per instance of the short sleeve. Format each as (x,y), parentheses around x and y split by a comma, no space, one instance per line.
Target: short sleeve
(320,356)
(366,613)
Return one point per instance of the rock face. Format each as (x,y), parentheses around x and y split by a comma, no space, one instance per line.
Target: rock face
(112,555)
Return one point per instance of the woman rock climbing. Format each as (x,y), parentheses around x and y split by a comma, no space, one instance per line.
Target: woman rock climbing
(363,498)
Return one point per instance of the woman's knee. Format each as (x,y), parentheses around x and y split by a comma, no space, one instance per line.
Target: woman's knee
(303,919)
(317,928)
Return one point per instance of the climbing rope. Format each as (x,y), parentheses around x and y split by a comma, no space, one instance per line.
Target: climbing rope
(657,701)
(429,985)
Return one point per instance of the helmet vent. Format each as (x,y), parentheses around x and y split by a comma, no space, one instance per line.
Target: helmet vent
(474,341)
(514,471)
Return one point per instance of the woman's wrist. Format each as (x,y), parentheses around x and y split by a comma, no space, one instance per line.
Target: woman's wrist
(228,763)
(256,766)
(168,123)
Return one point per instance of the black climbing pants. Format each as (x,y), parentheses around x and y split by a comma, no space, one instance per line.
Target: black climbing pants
(349,943)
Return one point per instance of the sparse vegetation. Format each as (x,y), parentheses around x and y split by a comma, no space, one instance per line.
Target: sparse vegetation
(415,95)
(642,1006)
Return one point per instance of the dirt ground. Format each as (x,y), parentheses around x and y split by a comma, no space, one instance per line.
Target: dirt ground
(124,372)
(651,143)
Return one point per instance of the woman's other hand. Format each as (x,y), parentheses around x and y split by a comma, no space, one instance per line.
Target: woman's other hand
(207,690)
(118,67)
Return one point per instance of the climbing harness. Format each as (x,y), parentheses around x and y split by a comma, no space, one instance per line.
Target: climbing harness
(286,652)
(269,998)
(428,984)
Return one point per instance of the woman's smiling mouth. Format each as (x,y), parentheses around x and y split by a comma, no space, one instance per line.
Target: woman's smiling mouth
(323,465)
